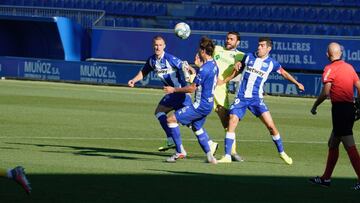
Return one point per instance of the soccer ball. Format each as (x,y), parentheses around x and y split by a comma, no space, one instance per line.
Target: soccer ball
(182,30)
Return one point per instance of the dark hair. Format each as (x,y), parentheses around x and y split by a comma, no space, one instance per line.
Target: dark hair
(208,45)
(158,37)
(234,33)
(268,41)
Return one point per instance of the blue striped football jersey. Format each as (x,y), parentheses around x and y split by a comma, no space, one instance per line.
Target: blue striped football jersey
(255,74)
(168,68)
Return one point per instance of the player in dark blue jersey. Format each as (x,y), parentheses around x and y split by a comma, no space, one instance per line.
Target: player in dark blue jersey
(195,114)
(169,69)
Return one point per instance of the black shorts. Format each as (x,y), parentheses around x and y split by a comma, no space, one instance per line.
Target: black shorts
(343,115)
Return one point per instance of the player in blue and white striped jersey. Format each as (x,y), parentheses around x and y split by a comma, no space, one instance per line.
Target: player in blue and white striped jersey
(195,114)
(169,69)
(255,71)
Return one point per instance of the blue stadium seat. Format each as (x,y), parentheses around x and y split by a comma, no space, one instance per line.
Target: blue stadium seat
(334,15)
(310,14)
(254,13)
(161,9)
(296,29)
(243,12)
(197,25)
(233,12)
(284,28)
(346,15)
(298,14)
(69,4)
(151,9)
(321,29)
(230,26)
(128,8)
(100,5)
(141,8)
(344,31)
(309,29)
(39,3)
(331,30)
(201,11)
(110,22)
(356,16)
(355,31)
(273,28)
(28,3)
(288,14)
(59,3)
(6,2)
(265,13)
(278,13)
(250,27)
(88,4)
(109,7)
(220,12)
(323,15)
(262,28)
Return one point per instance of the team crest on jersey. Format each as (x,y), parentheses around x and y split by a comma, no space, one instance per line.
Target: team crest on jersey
(265,65)
(217,57)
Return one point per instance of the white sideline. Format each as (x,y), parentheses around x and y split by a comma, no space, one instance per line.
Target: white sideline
(153,139)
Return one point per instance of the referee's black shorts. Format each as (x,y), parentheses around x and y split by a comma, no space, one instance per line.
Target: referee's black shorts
(343,115)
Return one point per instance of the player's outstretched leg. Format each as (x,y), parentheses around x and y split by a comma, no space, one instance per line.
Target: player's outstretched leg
(203,140)
(280,148)
(18,175)
(161,116)
(180,151)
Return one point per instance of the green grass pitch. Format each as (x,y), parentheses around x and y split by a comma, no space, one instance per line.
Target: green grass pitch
(82,143)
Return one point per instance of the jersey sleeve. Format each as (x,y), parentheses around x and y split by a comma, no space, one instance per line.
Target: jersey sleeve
(355,76)
(240,56)
(147,67)
(175,62)
(277,67)
(328,75)
(199,78)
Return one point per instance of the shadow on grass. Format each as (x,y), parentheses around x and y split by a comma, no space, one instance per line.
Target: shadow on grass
(95,151)
(176,187)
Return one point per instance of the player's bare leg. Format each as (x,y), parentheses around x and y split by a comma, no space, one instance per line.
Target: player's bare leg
(223,115)
(270,125)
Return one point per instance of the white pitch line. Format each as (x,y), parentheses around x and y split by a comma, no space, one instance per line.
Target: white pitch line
(153,139)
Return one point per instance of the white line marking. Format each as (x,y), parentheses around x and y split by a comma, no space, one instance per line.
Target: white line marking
(154,139)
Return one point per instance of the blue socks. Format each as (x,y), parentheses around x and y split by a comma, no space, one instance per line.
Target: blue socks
(161,116)
(175,134)
(203,139)
(229,141)
(278,142)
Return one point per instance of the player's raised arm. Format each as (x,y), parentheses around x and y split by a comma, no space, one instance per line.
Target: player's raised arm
(140,75)
(289,77)
(187,89)
(238,66)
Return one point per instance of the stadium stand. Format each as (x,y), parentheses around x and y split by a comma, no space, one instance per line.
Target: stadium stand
(312,17)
